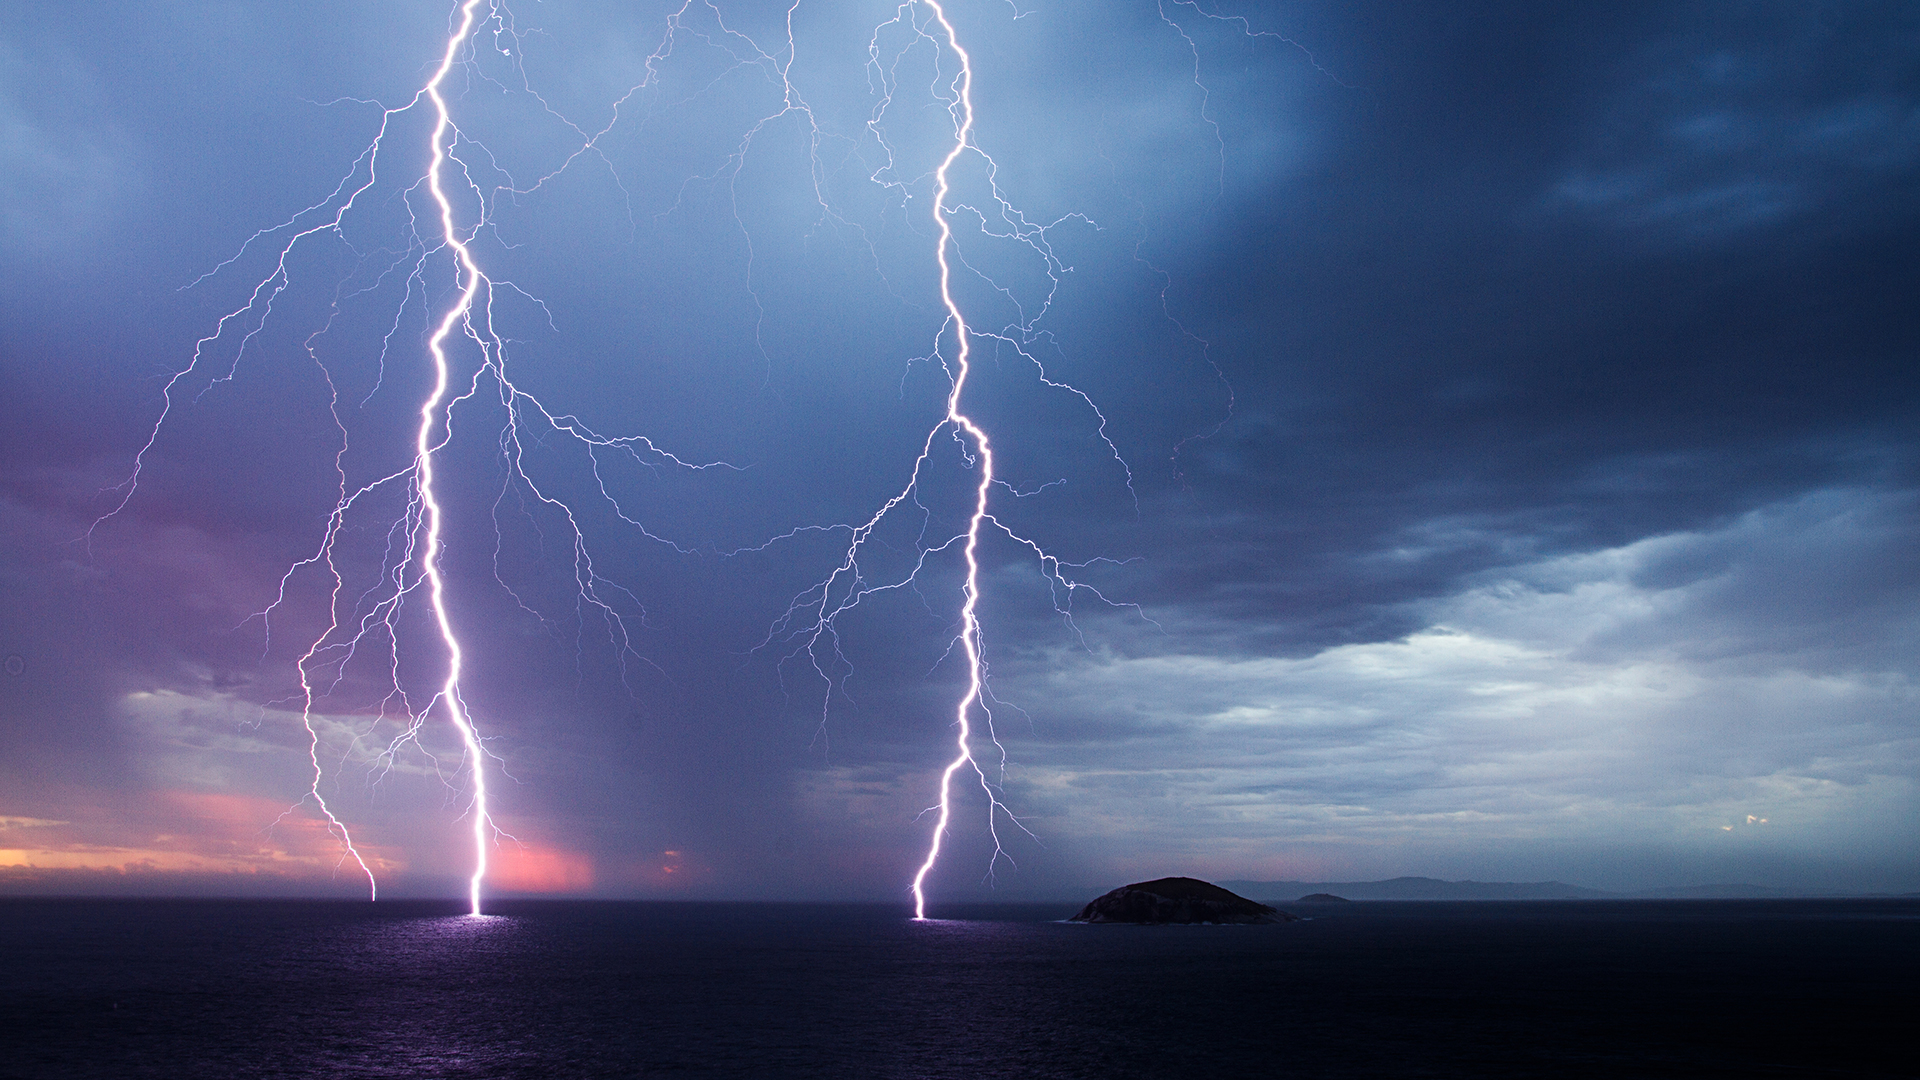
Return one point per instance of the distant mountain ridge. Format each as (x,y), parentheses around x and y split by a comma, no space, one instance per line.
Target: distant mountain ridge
(1416,888)
(1425,888)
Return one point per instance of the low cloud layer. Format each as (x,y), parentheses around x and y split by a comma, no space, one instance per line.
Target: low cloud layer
(1658,693)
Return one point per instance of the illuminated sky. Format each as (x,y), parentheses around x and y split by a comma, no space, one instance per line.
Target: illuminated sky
(1512,465)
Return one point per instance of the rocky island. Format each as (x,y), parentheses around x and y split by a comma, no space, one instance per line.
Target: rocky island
(1177,900)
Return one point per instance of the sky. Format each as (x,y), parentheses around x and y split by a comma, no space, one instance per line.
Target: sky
(1471,440)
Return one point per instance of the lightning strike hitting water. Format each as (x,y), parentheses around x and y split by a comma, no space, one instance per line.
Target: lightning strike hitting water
(424,446)
(415,534)
(970,609)
(812,618)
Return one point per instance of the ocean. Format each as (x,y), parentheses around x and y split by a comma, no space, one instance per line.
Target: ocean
(208,989)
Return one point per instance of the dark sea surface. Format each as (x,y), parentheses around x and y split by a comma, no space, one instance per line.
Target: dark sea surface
(157,988)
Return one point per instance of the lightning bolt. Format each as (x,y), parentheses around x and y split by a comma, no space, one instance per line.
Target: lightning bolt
(403,505)
(983,449)
(811,619)
(424,447)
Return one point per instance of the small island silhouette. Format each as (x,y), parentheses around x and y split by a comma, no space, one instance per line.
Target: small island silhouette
(1177,900)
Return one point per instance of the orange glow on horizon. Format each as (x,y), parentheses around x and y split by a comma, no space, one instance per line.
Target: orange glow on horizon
(193,832)
(539,868)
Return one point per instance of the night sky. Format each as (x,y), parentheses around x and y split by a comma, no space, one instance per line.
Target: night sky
(1487,435)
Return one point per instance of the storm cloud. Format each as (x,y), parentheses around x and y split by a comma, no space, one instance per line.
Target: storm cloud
(1503,464)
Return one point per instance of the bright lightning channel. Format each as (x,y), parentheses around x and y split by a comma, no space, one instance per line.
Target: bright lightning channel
(983,448)
(812,617)
(424,447)
(970,629)
(411,562)
(970,637)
